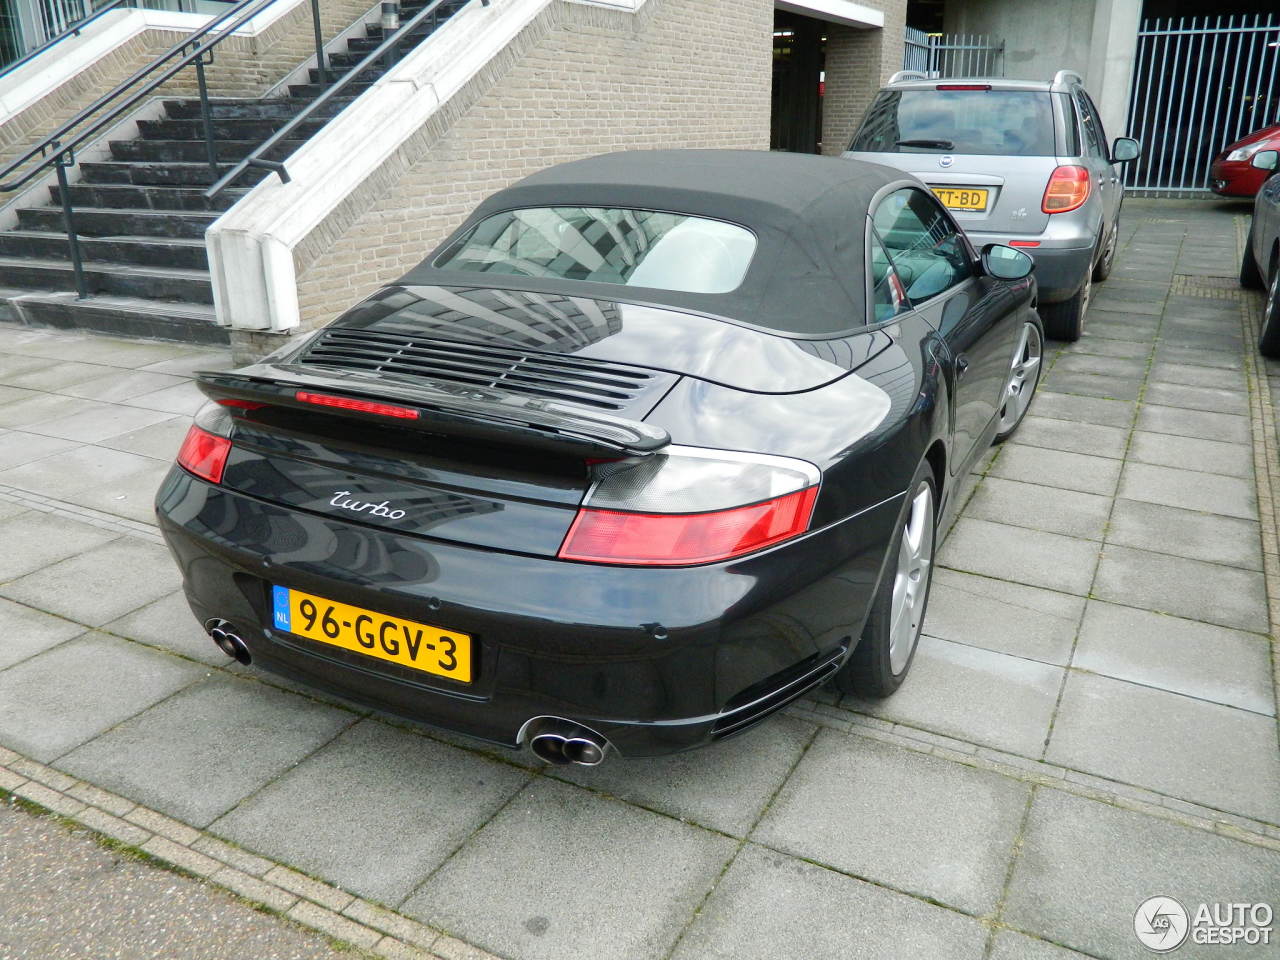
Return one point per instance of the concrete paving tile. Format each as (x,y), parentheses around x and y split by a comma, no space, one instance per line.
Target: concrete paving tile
(1015,946)
(1105,300)
(1093,385)
(44,407)
(1110,347)
(184,398)
(10,394)
(562,873)
(1198,356)
(103,421)
(1210,592)
(24,632)
(724,786)
(974,695)
(771,907)
(399,779)
(1085,867)
(193,361)
(1190,489)
(1005,617)
(83,466)
(12,365)
(132,497)
(1194,339)
(1024,556)
(112,351)
(1200,660)
(1072,435)
(18,447)
(12,508)
(1213,399)
(159,441)
(1186,533)
(113,385)
(1064,406)
(169,624)
(1194,376)
(1058,468)
(870,809)
(100,585)
(1194,423)
(62,697)
(34,539)
(1122,326)
(1191,453)
(1126,368)
(55,377)
(1040,507)
(1177,745)
(198,754)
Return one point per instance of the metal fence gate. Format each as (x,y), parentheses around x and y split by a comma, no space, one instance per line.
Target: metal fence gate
(1199,83)
(953,55)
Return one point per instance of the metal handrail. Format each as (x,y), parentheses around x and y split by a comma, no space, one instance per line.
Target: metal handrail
(58,149)
(73,30)
(256,157)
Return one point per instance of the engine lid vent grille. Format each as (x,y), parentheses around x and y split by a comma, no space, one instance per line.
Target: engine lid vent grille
(578,380)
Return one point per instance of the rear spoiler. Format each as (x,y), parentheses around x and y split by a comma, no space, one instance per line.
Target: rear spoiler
(455,410)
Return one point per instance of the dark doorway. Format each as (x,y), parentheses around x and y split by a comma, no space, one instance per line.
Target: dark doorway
(797,79)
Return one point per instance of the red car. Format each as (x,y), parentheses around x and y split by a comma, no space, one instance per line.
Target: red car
(1231,174)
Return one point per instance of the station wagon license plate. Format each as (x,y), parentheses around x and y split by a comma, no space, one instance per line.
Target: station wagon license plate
(962,198)
(418,646)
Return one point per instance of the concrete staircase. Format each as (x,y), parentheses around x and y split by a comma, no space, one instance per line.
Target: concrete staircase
(141,216)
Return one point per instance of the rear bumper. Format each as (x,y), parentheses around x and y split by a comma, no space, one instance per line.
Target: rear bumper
(656,660)
(1060,266)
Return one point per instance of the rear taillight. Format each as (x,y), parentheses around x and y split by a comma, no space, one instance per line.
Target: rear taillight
(963,86)
(204,454)
(1068,189)
(208,443)
(688,505)
(357,406)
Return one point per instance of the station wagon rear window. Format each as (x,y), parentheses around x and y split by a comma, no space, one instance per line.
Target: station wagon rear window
(637,248)
(978,122)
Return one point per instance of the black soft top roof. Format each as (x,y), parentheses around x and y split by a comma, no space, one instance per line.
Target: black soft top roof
(808,214)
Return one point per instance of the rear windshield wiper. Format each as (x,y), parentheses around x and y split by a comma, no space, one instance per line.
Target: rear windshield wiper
(936,144)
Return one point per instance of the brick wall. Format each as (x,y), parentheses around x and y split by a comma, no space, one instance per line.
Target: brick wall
(243,67)
(858,62)
(578,81)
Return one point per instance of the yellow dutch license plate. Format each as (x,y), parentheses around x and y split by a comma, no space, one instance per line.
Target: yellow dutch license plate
(962,198)
(418,646)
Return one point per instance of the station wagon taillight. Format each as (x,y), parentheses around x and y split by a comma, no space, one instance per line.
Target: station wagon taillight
(687,506)
(1068,189)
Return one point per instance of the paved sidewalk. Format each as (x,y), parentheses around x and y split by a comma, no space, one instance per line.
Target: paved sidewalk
(1091,719)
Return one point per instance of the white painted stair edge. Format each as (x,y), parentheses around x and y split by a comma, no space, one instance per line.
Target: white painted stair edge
(251,246)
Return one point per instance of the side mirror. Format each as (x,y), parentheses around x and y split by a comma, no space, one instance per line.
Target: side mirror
(1006,263)
(1125,149)
(1266,159)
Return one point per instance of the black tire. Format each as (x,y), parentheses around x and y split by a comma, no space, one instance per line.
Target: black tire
(1102,269)
(1251,277)
(869,672)
(1269,338)
(1029,347)
(1065,320)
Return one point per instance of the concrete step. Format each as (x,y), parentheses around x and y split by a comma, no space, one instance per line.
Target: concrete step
(123,222)
(162,174)
(186,253)
(192,151)
(132,196)
(123,316)
(148,283)
(232,129)
(314,90)
(275,107)
(365,76)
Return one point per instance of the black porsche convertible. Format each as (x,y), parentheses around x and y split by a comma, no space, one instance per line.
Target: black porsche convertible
(652,445)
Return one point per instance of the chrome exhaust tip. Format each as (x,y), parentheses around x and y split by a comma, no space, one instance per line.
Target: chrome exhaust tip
(228,640)
(562,742)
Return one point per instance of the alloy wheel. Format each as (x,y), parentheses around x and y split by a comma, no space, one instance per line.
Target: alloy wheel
(911,580)
(1023,376)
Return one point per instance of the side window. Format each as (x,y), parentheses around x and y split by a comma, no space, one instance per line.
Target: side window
(888,296)
(1092,137)
(927,252)
(1103,142)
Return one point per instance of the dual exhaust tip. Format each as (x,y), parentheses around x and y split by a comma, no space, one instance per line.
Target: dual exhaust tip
(228,640)
(562,742)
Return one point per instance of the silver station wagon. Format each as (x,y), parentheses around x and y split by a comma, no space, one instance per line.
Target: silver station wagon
(1018,162)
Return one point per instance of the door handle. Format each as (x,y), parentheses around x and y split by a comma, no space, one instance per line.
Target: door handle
(962,366)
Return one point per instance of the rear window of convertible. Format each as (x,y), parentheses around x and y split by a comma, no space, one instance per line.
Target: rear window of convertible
(979,122)
(637,248)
